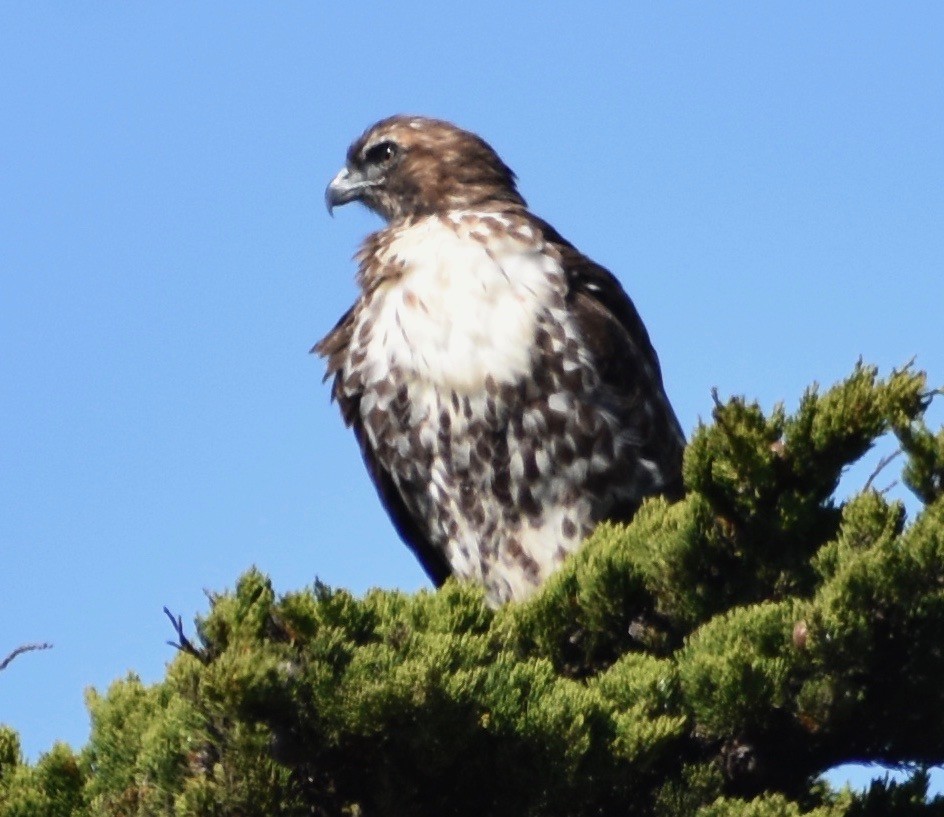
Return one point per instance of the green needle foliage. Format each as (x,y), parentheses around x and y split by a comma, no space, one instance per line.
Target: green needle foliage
(713,658)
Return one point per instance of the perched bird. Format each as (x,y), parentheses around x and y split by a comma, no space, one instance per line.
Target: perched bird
(501,385)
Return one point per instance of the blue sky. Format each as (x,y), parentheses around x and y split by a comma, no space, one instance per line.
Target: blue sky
(767,180)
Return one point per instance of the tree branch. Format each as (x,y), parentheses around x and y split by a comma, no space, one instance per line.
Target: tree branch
(183,643)
(882,464)
(45,645)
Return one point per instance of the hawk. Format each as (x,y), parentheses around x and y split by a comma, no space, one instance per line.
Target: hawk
(501,385)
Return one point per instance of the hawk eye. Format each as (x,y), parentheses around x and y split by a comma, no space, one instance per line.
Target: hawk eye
(381,153)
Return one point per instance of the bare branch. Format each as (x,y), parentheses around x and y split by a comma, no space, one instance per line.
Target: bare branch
(183,643)
(45,645)
(888,487)
(882,464)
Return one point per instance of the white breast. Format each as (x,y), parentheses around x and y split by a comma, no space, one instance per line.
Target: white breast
(464,308)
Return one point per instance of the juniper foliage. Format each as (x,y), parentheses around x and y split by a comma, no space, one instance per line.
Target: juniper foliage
(713,658)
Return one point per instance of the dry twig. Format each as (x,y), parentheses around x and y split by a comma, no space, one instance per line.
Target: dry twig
(882,464)
(45,645)
(183,643)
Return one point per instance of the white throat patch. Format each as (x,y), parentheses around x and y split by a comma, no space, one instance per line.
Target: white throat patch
(466,304)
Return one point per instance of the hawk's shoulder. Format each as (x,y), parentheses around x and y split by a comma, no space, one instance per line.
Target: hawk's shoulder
(623,354)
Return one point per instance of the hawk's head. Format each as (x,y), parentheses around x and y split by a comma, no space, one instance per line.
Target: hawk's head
(412,166)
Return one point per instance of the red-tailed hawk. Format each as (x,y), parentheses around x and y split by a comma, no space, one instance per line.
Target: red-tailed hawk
(501,385)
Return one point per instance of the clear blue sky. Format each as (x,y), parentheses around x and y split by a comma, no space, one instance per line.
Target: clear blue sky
(767,181)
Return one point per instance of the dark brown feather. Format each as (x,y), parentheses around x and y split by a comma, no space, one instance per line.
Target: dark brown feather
(626,359)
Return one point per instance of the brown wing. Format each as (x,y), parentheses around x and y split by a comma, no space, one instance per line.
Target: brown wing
(626,361)
(334,347)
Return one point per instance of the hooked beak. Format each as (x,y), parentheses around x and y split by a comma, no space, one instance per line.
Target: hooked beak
(345,187)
